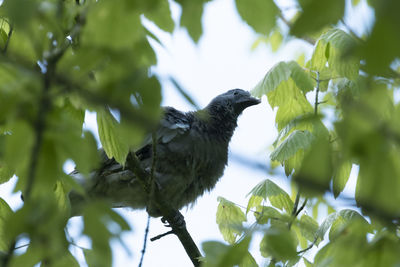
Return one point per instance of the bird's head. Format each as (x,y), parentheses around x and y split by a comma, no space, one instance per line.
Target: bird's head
(235,101)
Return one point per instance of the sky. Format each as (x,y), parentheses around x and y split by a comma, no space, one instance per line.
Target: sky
(222,60)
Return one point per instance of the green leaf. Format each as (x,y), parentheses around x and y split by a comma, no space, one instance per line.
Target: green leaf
(66,260)
(315,16)
(30,258)
(112,144)
(340,42)
(3,38)
(278,197)
(49,168)
(384,251)
(254,201)
(218,254)
(337,221)
(325,225)
(275,40)
(347,246)
(5,212)
(386,21)
(260,40)
(248,261)
(294,163)
(307,263)
(278,243)
(265,214)
(300,238)
(280,73)
(17,148)
(302,78)
(64,129)
(161,16)
(341,176)
(97,258)
(297,140)
(343,218)
(192,12)
(316,169)
(318,58)
(5,173)
(277,74)
(21,17)
(113,24)
(229,219)
(259,14)
(292,106)
(221,255)
(333,47)
(61,192)
(99,218)
(308,227)
(285,85)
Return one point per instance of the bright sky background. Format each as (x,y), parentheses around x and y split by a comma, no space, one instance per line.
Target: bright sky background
(222,60)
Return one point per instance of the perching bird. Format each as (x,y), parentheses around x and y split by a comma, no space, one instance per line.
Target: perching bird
(191,154)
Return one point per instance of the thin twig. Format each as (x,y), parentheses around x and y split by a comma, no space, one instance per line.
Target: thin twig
(146,233)
(150,194)
(302,207)
(309,247)
(294,211)
(44,107)
(296,203)
(76,245)
(161,235)
(316,94)
(22,246)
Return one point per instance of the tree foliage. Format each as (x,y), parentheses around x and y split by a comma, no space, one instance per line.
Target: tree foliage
(337,110)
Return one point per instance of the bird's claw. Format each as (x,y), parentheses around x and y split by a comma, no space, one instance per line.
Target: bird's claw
(177,220)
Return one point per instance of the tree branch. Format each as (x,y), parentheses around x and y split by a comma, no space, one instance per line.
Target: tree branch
(169,213)
(45,104)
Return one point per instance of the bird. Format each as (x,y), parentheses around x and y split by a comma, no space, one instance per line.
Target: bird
(191,155)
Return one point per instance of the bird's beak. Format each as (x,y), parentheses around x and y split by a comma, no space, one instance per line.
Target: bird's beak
(244,102)
(247,101)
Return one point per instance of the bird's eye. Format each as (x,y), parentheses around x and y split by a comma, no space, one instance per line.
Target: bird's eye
(235,93)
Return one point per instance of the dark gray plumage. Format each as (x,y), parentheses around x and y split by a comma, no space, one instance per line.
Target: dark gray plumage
(191,149)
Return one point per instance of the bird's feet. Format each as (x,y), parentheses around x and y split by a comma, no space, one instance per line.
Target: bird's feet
(177,219)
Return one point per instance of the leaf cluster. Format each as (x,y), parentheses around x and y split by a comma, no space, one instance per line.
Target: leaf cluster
(337,119)
(60,59)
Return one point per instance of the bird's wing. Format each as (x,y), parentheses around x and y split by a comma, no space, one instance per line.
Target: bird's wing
(173,124)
